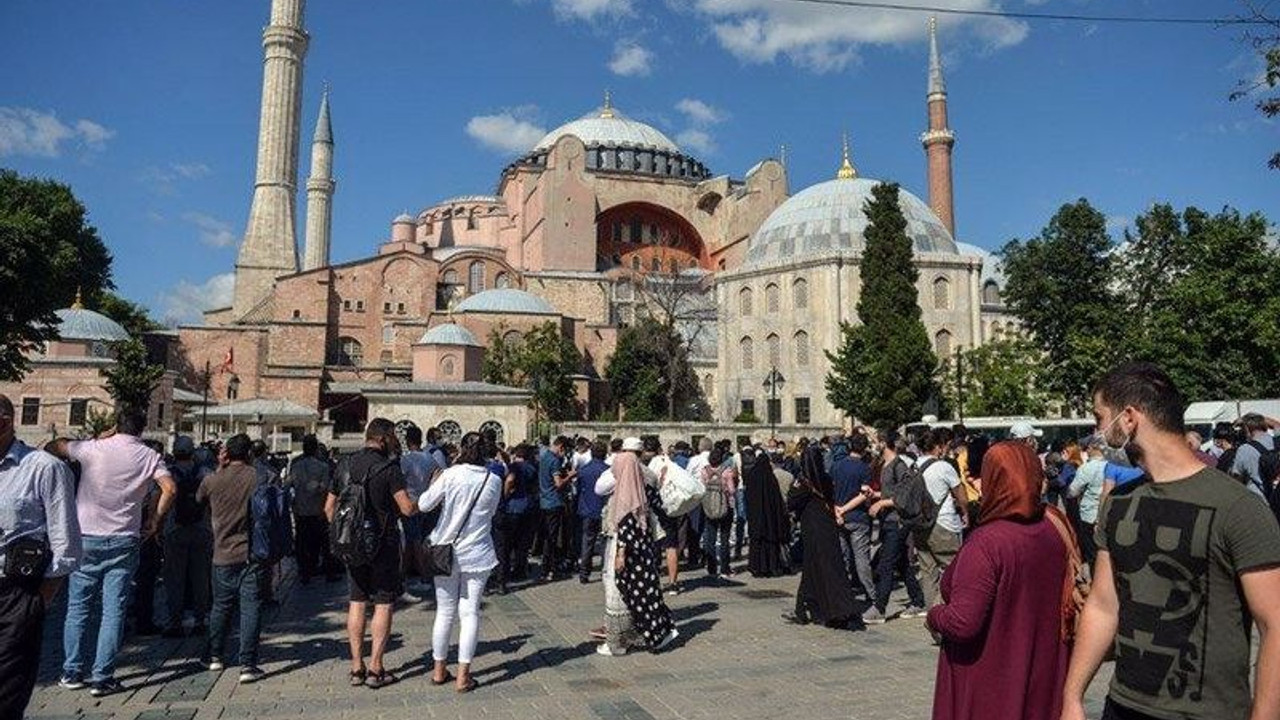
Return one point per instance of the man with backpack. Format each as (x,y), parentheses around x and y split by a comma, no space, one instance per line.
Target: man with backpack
(308,481)
(721,482)
(237,576)
(367,499)
(893,535)
(1256,462)
(937,545)
(188,544)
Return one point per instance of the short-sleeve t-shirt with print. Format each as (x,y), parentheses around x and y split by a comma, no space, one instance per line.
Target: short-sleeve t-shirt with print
(1177,549)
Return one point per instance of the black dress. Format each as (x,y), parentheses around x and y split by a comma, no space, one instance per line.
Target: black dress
(824,595)
(768,526)
(638,580)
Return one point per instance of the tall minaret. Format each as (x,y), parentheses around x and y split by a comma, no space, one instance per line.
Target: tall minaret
(938,139)
(270,246)
(320,192)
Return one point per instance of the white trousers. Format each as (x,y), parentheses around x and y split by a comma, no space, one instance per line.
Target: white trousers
(458,598)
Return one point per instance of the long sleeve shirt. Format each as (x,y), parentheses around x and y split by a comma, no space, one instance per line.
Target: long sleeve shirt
(37,499)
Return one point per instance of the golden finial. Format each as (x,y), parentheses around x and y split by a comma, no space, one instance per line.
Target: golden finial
(78,304)
(607,110)
(846,171)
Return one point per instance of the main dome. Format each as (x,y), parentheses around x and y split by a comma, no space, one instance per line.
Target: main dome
(829,217)
(608,127)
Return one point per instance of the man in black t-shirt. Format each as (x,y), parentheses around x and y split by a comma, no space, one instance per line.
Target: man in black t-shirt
(380,581)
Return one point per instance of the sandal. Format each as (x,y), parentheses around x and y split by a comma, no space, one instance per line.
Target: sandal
(447,677)
(358,676)
(472,684)
(381,679)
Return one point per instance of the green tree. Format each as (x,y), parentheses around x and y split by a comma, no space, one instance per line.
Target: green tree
(48,249)
(1267,44)
(501,358)
(883,372)
(1060,285)
(548,361)
(131,316)
(649,374)
(1002,377)
(131,379)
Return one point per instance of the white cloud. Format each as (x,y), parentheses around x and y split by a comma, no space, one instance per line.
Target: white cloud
(213,232)
(510,131)
(630,59)
(590,9)
(24,131)
(184,302)
(824,38)
(164,180)
(700,113)
(697,140)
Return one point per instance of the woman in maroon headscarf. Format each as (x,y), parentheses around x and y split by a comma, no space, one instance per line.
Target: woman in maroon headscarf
(1007,611)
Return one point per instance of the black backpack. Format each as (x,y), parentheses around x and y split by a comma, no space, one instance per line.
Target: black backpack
(187,511)
(355,534)
(1268,466)
(917,511)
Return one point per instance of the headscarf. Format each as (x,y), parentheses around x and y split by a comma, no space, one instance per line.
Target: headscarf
(628,494)
(1011,479)
(815,475)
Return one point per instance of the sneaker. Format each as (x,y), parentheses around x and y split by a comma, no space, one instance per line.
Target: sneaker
(71,682)
(671,589)
(214,665)
(103,688)
(664,642)
(603,649)
(873,616)
(251,674)
(912,611)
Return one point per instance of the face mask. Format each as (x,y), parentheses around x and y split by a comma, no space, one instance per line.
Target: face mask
(1126,446)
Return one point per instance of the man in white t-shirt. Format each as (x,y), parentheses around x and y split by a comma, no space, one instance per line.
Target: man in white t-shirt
(943,484)
(699,461)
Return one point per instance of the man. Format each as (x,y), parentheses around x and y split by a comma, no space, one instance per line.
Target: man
(1187,563)
(1027,433)
(699,461)
(1247,467)
(419,468)
(380,581)
(590,508)
(115,475)
(309,480)
(850,476)
(188,544)
(942,482)
(1196,443)
(237,578)
(1088,486)
(893,538)
(552,483)
(40,544)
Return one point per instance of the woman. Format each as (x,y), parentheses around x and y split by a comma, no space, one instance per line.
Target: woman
(635,561)
(824,595)
(767,522)
(1007,601)
(469,493)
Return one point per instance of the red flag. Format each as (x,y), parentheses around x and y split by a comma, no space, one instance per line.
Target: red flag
(228,362)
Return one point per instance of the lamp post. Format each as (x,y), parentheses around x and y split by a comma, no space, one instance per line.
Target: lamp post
(773,382)
(204,407)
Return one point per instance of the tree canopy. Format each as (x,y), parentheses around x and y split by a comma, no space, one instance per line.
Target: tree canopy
(132,379)
(543,361)
(640,377)
(1001,377)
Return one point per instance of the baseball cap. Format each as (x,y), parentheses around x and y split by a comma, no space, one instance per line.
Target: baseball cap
(632,444)
(1023,429)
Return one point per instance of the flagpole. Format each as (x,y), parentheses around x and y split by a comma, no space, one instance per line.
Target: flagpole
(204,409)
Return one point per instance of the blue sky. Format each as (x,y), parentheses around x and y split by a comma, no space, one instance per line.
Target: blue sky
(149,109)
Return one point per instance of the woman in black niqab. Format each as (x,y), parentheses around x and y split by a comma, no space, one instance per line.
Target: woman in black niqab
(768,525)
(824,595)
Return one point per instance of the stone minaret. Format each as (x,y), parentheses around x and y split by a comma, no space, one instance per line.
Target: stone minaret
(320,192)
(270,246)
(938,139)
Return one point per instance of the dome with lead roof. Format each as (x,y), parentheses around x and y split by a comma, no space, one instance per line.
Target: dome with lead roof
(449,334)
(516,302)
(607,127)
(77,323)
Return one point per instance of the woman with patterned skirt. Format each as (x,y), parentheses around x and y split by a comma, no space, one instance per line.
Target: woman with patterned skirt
(635,561)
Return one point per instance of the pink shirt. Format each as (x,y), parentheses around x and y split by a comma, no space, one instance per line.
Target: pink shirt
(115,475)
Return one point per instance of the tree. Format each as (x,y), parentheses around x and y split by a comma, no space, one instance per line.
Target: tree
(543,361)
(49,250)
(637,379)
(501,358)
(883,371)
(1060,285)
(131,316)
(1267,45)
(1002,377)
(131,379)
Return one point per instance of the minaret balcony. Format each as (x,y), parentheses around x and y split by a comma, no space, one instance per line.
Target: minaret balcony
(937,137)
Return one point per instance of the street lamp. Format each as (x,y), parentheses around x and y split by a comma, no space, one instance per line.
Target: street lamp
(773,382)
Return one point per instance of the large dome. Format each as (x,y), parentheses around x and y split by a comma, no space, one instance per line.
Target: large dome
(80,324)
(828,217)
(607,127)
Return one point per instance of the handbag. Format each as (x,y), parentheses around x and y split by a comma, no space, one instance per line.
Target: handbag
(438,559)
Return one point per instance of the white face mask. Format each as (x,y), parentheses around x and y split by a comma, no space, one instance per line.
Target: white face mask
(1110,448)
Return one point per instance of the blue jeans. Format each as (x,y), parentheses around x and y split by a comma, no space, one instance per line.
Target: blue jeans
(242,582)
(105,573)
(893,556)
(717,558)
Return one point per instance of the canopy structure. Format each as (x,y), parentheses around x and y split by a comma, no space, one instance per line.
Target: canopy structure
(1215,411)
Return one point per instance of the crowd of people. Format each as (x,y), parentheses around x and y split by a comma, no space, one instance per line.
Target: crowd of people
(997,544)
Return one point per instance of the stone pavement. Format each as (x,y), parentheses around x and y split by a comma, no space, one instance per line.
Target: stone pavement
(735,659)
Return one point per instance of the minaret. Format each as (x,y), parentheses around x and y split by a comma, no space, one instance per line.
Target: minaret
(938,139)
(270,247)
(320,192)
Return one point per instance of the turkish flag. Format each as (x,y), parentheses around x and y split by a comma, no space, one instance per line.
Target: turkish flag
(228,361)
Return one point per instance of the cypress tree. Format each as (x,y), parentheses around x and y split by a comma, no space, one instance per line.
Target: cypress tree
(883,372)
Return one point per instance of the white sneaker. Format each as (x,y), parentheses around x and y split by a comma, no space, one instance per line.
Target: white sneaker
(670,638)
(912,611)
(215,665)
(603,649)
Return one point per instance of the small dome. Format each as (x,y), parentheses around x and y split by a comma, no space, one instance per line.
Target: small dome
(449,334)
(80,324)
(403,218)
(828,217)
(517,302)
(608,127)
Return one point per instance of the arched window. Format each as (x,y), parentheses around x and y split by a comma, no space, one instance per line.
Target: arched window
(350,352)
(512,337)
(450,431)
(623,291)
(475,278)
(801,341)
(635,262)
(655,265)
(744,301)
(447,366)
(450,277)
(991,293)
(941,293)
(674,265)
(800,294)
(942,344)
(747,350)
(771,298)
(495,427)
(775,350)
(503,281)
(708,384)
(388,333)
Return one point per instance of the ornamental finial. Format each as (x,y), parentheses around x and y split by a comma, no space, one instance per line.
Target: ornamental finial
(607,110)
(79,303)
(846,171)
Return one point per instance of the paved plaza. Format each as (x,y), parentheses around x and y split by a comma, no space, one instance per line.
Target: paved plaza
(735,659)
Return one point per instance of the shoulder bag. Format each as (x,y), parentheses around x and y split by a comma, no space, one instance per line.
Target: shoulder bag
(439,559)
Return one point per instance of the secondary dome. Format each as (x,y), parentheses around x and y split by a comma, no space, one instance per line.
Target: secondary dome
(607,127)
(81,324)
(517,302)
(828,217)
(449,334)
